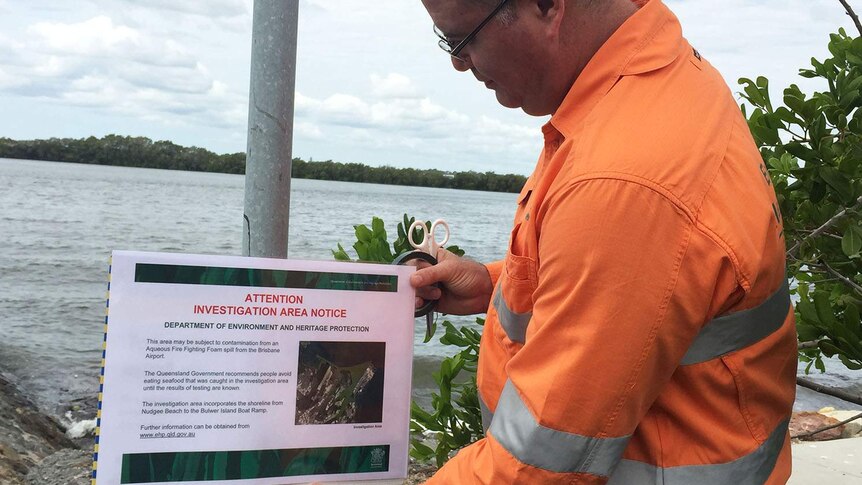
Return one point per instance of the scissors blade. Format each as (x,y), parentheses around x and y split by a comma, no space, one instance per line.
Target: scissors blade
(430,325)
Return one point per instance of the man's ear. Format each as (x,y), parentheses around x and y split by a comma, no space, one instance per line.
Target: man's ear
(550,12)
(545,6)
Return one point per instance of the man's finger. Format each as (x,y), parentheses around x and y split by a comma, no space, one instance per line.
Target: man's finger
(430,275)
(429,292)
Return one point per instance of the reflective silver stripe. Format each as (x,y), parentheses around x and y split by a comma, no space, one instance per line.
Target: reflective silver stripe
(515,428)
(515,324)
(739,330)
(751,469)
(487,415)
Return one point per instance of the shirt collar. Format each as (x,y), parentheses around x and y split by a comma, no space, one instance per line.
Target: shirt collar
(648,40)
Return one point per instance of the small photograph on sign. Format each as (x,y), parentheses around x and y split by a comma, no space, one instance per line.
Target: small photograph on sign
(340,382)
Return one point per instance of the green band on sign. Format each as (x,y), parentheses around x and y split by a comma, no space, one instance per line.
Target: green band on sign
(246,465)
(266,278)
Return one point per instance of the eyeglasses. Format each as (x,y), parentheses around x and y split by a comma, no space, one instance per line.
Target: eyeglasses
(455,50)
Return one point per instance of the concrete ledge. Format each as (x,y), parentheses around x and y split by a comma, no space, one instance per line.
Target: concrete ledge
(837,462)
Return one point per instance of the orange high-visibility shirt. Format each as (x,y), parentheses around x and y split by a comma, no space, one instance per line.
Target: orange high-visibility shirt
(641,330)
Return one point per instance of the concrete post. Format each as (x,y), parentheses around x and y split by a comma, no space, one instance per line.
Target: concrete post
(270,128)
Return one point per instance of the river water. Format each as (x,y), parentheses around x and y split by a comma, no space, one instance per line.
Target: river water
(59,223)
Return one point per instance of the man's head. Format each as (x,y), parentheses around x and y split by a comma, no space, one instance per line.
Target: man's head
(531,51)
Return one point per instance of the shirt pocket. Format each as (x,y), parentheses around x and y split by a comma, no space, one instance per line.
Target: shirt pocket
(514,299)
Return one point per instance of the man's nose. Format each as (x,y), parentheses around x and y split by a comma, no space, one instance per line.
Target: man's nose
(461,65)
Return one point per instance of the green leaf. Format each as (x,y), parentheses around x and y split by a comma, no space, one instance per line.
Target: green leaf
(801,151)
(838,181)
(828,348)
(455,250)
(851,316)
(824,308)
(787,116)
(818,363)
(765,135)
(401,230)
(794,99)
(807,333)
(851,243)
(380,251)
(752,93)
(807,312)
(850,99)
(377,228)
(854,84)
(853,58)
(340,254)
(852,365)
(422,452)
(363,233)
(849,343)
(361,250)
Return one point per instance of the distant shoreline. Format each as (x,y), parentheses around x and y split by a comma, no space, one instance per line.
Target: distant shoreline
(126,151)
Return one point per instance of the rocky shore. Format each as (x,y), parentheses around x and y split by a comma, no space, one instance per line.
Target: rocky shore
(34,448)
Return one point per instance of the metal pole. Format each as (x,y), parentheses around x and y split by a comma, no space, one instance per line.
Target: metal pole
(270,128)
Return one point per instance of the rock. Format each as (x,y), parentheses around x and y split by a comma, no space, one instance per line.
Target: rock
(82,429)
(852,430)
(65,467)
(26,435)
(419,473)
(806,422)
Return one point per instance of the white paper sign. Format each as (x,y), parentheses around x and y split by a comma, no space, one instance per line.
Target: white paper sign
(256,371)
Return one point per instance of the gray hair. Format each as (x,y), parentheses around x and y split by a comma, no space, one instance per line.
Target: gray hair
(505,16)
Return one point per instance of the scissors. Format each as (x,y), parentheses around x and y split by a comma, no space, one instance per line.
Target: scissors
(426,250)
(429,244)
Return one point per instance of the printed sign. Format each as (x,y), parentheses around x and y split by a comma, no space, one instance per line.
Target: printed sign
(257,371)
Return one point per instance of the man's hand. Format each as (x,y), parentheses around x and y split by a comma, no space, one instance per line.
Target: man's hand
(466,284)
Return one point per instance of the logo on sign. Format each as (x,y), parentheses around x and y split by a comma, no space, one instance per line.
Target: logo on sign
(377,456)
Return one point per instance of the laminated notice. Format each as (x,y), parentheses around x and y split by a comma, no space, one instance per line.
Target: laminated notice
(254,371)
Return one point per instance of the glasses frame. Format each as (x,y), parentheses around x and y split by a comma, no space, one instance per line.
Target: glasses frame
(455,50)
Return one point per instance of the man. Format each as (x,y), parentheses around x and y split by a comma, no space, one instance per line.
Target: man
(639,329)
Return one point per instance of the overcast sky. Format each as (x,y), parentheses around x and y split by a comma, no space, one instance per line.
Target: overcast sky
(372,85)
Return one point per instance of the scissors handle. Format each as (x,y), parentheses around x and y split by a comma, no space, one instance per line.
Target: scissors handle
(429,305)
(420,225)
(428,244)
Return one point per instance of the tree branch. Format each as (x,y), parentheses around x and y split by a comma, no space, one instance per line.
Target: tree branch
(847,281)
(852,15)
(809,384)
(820,230)
(827,428)
(811,344)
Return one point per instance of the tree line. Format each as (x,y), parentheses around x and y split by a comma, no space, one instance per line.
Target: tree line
(138,151)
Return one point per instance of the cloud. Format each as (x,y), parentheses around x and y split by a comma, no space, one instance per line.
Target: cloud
(373,86)
(94,36)
(308,130)
(415,123)
(316,6)
(345,109)
(101,64)
(209,8)
(733,36)
(8,81)
(394,85)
